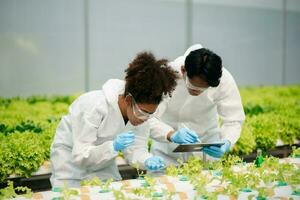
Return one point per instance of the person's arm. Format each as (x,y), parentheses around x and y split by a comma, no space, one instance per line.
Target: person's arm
(85,152)
(160,131)
(230,109)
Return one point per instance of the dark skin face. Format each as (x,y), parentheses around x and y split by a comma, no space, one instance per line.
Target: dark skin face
(125,105)
(196,81)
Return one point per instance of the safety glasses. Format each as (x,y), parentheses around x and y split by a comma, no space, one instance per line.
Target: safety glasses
(140,114)
(191,86)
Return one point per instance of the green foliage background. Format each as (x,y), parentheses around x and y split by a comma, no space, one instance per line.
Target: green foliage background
(272,113)
(27,125)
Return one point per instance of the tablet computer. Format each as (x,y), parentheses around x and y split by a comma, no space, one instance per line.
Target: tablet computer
(195,147)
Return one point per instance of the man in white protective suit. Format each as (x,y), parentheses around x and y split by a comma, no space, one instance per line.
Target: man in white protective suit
(205,106)
(103,122)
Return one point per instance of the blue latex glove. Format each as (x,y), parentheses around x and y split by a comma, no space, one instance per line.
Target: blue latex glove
(216,151)
(184,136)
(123,140)
(155,163)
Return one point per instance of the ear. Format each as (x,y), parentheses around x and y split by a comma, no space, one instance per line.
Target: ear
(182,69)
(128,99)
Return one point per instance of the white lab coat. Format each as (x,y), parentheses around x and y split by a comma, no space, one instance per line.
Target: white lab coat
(83,144)
(199,113)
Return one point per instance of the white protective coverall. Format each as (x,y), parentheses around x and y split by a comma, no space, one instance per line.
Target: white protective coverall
(83,144)
(199,113)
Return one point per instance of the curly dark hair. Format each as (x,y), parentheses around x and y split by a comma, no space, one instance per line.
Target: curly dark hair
(205,64)
(148,79)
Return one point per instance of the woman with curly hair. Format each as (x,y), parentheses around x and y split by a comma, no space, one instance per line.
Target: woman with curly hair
(103,122)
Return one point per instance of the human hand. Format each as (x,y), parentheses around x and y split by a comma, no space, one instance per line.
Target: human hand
(155,163)
(184,136)
(216,151)
(123,140)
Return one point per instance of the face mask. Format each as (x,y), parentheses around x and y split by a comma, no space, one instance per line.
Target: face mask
(189,85)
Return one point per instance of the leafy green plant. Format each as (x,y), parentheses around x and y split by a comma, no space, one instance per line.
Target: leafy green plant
(192,166)
(295,152)
(237,176)
(11,192)
(172,170)
(139,171)
(21,160)
(68,192)
(251,109)
(26,134)
(150,181)
(200,181)
(119,195)
(246,143)
(27,127)
(105,186)
(271,114)
(8,192)
(143,191)
(168,195)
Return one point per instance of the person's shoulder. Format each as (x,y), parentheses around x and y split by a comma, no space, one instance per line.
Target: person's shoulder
(90,102)
(92,97)
(226,82)
(226,77)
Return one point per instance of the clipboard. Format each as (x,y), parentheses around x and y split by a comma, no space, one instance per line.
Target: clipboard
(195,147)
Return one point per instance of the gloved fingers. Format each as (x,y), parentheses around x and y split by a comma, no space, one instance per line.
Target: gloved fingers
(193,134)
(162,166)
(188,140)
(189,137)
(151,163)
(205,149)
(215,148)
(155,163)
(130,132)
(156,166)
(211,152)
(125,136)
(126,144)
(151,166)
(127,140)
(219,150)
(183,130)
(189,132)
(118,146)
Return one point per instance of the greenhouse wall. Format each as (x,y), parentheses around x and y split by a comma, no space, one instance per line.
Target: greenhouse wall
(68,46)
